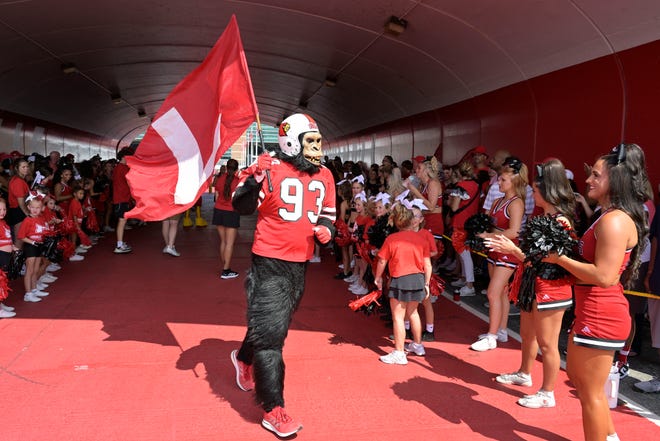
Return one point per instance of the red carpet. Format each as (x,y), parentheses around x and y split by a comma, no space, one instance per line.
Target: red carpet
(136,347)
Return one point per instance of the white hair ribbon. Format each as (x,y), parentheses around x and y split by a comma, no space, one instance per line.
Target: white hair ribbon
(383,197)
(362,196)
(419,203)
(402,196)
(342,181)
(406,203)
(358,178)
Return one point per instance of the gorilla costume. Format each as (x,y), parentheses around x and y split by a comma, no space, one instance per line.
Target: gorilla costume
(295,196)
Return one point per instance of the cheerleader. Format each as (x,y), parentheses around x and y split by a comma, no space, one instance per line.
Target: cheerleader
(31,233)
(6,247)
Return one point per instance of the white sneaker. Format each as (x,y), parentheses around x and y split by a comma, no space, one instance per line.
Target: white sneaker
(41,286)
(6,308)
(6,314)
(39,293)
(81,250)
(651,386)
(315,259)
(416,348)
(48,278)
(53,267)
(171,251)
(30,297)
(458,283)
(517,378)
(84,247)
(351,279)
(360,291)
(538,400)
(484,344)
(466,291)
(76,258)
(394,357)
(502,336)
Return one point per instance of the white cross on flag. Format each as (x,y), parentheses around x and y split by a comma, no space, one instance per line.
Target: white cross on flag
(199,120)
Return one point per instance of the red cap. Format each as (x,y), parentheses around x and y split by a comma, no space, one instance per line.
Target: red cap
(419,158)
(480,149)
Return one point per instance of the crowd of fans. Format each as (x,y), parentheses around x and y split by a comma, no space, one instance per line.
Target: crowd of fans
(376,202)
(52,211)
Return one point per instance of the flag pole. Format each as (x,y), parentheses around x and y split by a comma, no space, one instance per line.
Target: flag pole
(263,149)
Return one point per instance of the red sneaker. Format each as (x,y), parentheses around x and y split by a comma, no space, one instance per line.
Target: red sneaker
(278,422)
(243,373)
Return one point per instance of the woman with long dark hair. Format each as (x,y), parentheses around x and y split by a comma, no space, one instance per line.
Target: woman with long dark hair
(541,324)
(225,218)
(610,256)
(18,191)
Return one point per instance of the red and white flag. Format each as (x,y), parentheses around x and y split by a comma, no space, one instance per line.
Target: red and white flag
(199,120)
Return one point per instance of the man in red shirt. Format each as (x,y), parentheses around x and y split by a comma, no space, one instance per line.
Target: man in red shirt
(121,198)
(296,197)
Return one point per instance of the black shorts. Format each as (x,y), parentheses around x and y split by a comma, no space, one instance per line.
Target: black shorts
(226,218)
(30,250)
(120,209)
(15,216)
(5,257)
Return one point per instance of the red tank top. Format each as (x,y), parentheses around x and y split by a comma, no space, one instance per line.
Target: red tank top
(425,193)
(587,245)
(499,213)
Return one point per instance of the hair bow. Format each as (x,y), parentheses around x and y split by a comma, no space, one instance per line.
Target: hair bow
(362,196)
(620,152)
(419,203)
(402,196)
(34,195)
(383,197)
(358,178)
(342,181)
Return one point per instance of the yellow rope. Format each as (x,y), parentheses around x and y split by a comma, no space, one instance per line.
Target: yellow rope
(630,293)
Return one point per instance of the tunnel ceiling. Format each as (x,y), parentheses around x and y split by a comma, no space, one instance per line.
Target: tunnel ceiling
(333,59)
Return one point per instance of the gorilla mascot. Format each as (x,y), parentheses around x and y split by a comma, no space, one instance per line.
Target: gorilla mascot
(295,197)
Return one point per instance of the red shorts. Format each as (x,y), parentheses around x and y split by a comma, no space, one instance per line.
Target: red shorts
(602,320)
(553,294)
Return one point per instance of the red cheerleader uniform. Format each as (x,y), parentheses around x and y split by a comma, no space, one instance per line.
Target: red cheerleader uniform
(500,217)
(602,320)
(434,221)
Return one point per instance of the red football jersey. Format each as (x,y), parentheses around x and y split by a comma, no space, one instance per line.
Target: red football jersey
(288,214)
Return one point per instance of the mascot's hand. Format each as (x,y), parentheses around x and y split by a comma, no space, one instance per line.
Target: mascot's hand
(322,234)
(264,161)
(259,167)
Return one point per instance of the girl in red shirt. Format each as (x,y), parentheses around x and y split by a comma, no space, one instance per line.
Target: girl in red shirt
(77,214)
(18,191)
(6,247)
(409,263)
(31,233)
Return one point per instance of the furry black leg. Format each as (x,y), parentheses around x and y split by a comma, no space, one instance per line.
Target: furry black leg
(274,288)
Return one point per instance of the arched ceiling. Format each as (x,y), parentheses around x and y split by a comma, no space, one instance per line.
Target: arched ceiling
(450,51)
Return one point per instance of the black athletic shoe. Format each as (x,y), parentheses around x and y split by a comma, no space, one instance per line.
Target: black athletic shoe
(428,336)
(228,274)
